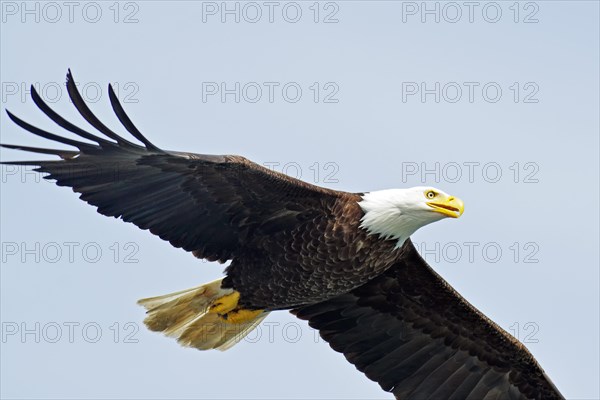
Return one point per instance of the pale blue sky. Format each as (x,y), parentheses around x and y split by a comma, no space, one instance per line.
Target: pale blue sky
(370,128)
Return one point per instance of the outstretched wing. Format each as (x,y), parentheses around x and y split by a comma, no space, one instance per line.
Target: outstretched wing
(207,204)
(412,333)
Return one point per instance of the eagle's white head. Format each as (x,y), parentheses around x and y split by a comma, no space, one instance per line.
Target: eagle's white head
(398,213)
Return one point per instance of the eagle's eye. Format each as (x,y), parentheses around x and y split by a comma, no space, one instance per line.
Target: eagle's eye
(430,194)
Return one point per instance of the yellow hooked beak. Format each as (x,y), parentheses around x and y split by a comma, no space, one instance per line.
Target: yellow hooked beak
(450,206)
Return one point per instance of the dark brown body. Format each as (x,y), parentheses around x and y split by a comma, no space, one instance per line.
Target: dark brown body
(318,259)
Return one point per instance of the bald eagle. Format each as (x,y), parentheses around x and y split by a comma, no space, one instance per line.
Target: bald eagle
(343,261)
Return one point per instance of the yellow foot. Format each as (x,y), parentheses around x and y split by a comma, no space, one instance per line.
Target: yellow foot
(240,316)
(224,304)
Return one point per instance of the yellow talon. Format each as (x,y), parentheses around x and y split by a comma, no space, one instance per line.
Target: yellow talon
(226,308)
(241,316)
(224,304)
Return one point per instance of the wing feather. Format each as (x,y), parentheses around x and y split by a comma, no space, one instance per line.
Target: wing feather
(89,116)
(418,338)
(207,204)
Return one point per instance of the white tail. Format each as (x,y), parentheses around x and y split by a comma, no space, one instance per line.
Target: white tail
(184,316)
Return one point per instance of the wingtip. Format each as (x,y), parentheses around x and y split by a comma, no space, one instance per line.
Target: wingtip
(14,118)
(111,93)
(35,95)
(70,78)
(126,121)
(11,146)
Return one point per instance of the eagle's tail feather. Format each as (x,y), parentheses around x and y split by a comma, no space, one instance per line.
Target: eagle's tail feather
(185,316)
